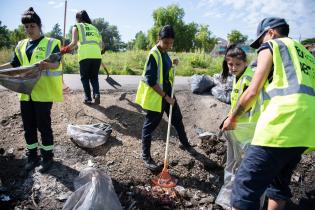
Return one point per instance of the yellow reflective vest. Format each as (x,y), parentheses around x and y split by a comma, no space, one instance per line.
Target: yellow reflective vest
(90,40)
(289,118)
(49,86)
(238,89)
(146,96)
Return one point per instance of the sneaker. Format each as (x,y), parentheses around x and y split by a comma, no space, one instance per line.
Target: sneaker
(97,99)
(87,101)
(32,162)
(150,164)
(46,165)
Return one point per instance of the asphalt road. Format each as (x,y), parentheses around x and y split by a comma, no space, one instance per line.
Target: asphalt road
(127,82)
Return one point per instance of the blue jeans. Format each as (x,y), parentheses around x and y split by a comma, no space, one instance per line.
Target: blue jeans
(264,168)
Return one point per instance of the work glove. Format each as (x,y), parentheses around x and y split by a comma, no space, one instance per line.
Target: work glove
(65,50)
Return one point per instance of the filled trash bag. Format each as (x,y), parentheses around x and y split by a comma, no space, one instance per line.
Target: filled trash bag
(94,190)
(201,83)
(23,79)
(222,90)
(89,136)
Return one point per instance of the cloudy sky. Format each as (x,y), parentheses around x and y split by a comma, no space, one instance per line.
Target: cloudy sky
(131,16)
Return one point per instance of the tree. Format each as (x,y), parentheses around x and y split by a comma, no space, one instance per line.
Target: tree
(4,36)
(110,34)
(236,37)
(173,15)
(203,39)
(140,42)
(56,32)
(308,41)
(17,34)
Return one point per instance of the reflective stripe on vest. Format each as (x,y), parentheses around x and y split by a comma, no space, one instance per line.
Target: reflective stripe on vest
(83,35)
(47,72)
(160,83)
(293,84)
(19,52)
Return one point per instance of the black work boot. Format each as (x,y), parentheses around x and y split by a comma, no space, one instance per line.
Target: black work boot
(186,146)
(47,160)
(150,163)
(46,164)
(32,160)
(97,99)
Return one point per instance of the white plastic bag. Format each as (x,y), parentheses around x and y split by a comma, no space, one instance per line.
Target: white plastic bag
(222,90)
(89,136)
(93,191)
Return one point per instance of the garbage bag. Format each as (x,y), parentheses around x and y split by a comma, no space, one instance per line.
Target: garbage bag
(222,94)
(237,142)
(222,90)
(89,136)
(201,83)
(23,79)
(93,191)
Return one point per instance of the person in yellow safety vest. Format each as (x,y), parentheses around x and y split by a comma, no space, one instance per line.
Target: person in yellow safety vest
(154,94)
(235,63)
(89,42)
(36,108)
(278,142)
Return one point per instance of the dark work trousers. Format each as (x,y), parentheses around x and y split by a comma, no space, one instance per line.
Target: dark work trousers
(89,69)
(36,116)
(152,120)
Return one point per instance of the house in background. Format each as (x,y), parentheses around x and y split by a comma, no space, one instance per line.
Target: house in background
(220,47)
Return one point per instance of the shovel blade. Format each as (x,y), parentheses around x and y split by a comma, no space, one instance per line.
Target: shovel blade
(112,82)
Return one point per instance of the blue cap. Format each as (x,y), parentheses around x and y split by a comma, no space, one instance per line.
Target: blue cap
(265,25)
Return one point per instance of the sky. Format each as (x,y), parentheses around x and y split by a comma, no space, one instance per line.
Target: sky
(131,16)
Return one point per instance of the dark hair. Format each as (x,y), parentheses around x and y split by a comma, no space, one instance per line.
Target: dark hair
(83,17)
(167,31)
(30,16)
(283,30)
(233,51)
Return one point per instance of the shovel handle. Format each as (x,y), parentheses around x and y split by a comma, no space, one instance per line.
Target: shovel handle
(104,67)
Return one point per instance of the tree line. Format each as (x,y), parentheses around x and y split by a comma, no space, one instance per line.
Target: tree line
(190,37)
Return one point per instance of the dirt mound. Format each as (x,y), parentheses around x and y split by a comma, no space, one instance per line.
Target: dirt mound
(199,173)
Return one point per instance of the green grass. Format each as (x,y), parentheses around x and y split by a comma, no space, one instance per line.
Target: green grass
(132,62)
(5,55)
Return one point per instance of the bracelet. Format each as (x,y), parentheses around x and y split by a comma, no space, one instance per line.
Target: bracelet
(164,95)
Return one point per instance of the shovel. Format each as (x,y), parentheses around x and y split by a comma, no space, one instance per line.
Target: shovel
(110,80)
(164,179)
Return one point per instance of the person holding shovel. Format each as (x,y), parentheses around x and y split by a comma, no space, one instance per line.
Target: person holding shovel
(36,107)
(89,42)
(154,92)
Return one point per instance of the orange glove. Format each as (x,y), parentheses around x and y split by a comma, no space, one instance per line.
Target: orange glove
(65,50)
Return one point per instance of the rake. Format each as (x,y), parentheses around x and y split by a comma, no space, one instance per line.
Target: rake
(164,179)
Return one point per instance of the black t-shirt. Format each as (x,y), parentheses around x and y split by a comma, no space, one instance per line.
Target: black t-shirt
(31,45)
(151,72)
(264,46)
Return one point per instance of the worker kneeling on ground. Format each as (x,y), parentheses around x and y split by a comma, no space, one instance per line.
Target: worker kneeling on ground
(154,94)
(278,142)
